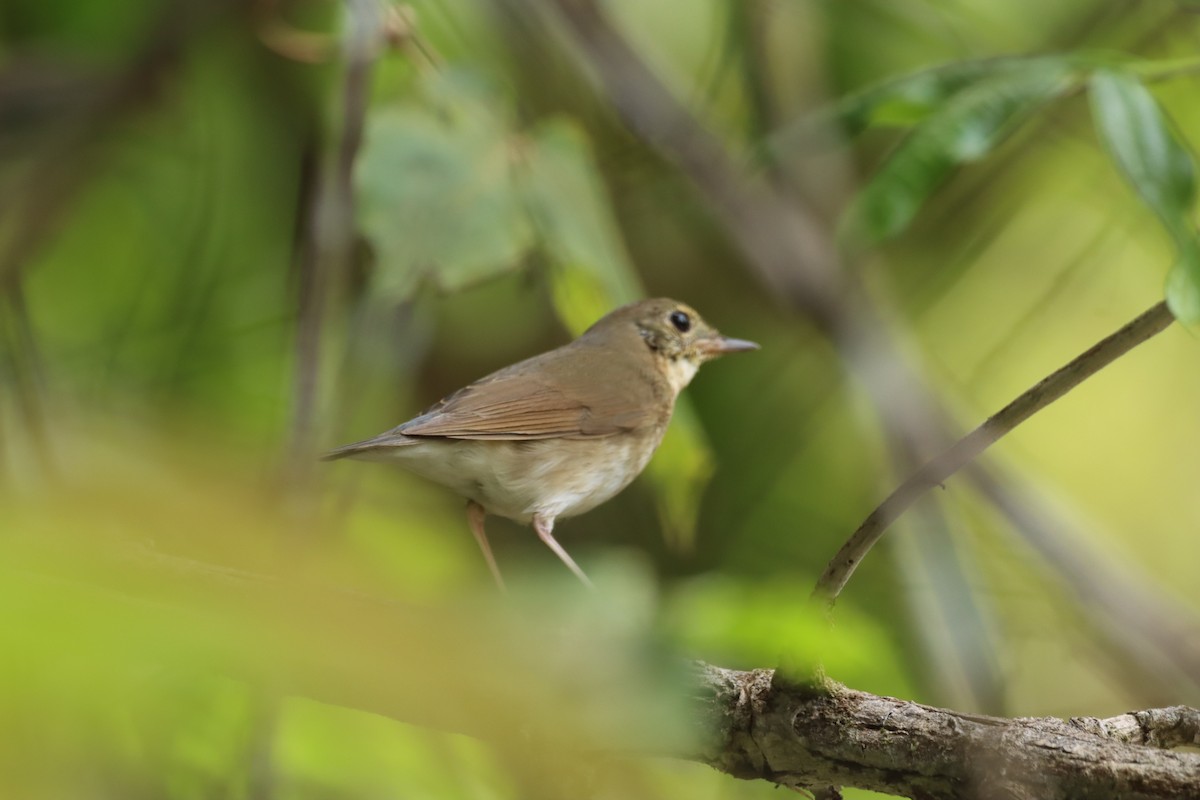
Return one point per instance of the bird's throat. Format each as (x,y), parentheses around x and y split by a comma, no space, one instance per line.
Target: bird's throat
(679,372)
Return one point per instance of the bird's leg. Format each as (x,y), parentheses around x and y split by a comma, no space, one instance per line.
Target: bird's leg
(544,527)
(475,516)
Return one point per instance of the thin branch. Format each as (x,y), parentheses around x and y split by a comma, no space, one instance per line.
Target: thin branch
(933,473)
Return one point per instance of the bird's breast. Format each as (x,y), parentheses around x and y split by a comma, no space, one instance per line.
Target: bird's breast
(549,477)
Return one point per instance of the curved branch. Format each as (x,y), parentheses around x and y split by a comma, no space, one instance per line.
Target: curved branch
(965,450)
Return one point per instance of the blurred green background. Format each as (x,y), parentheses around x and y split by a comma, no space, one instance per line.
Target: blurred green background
(196,301)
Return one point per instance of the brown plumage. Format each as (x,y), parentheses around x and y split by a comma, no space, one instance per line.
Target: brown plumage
(558,434)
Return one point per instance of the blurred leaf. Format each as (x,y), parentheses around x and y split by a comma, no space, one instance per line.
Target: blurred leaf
(901,102)
(1183,284)
(766,621)
(592,274)
(1140,138)
(148,598)
(964,129)
(897,102)
(436,194)
(573,218)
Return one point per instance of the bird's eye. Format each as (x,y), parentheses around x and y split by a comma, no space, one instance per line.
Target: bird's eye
(681,321)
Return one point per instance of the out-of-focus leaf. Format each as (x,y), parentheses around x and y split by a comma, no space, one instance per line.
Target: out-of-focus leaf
(766,620)
(147,618)
(965,128)
(900,102)
(1183,284)
(436,194)
(590,275)
(1139,136)
(565,196)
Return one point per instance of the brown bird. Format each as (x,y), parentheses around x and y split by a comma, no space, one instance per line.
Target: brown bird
(558,434)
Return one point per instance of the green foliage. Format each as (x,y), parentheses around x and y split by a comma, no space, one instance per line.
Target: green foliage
(895,103)
(567,201)
(960,112)
(436,191)
(1135,131)
(1160,168)
(182,618)
(977,109)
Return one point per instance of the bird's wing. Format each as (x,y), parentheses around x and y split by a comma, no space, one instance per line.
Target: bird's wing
(549,396)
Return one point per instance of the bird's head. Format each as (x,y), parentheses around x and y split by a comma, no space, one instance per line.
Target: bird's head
(675,334)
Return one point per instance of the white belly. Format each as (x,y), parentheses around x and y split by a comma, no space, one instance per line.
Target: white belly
(517,479)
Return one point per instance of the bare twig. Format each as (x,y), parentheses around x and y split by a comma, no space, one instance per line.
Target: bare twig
(966,449)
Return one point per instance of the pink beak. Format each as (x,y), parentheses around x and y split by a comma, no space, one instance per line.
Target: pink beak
(720,345)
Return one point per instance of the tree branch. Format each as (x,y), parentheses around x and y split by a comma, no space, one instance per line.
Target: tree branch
(968,448)
(805,736)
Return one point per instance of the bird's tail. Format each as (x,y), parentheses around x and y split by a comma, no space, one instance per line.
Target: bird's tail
(375,446)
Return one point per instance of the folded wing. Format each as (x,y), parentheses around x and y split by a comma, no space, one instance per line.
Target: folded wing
(549,396)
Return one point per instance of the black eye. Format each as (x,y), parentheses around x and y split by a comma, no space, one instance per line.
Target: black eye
(681,321)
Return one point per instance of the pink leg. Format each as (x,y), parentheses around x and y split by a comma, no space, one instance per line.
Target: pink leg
(544,526)
(475,516)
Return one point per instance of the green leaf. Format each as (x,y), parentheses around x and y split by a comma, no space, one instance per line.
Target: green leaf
(965,128)
(436,194)
(1138,136)
(572,215)
(900,102)
(1183,285)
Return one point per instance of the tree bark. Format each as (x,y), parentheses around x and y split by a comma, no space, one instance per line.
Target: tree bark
(810,737)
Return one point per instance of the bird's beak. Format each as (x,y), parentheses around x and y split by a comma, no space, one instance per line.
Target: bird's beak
(720,345)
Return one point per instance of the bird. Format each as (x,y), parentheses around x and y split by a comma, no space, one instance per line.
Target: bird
(557,434)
